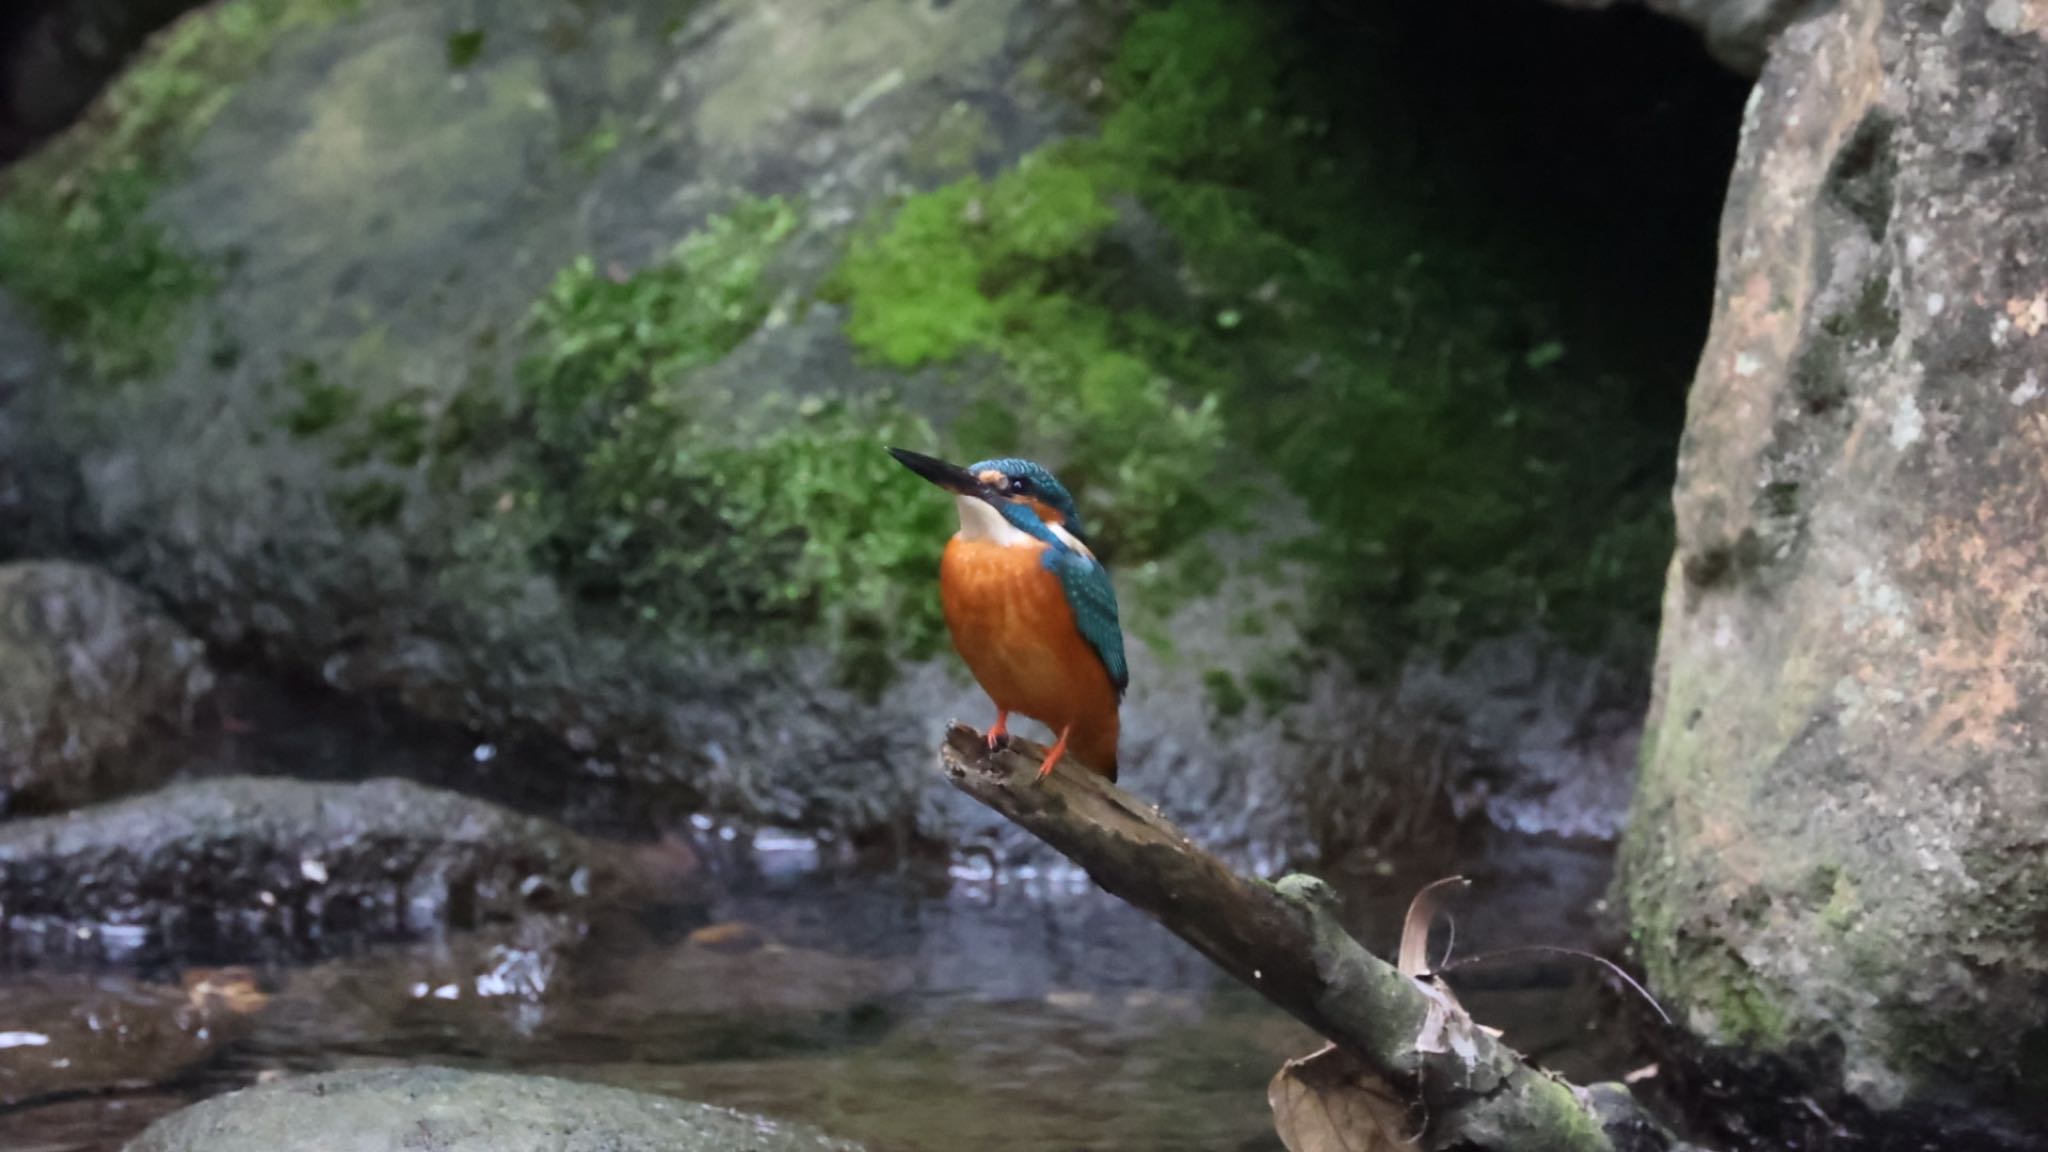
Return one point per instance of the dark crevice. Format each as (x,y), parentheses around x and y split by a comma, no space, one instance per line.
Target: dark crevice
(56,55)
(1860,177)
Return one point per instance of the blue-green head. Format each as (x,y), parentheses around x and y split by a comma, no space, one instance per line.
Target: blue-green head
(1027,494)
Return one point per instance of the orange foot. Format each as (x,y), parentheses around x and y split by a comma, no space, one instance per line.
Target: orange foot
(1052,758)
(1001,731)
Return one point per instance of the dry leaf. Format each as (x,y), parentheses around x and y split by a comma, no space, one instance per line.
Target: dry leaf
(234,989)
(1413,958)
(1328,1102)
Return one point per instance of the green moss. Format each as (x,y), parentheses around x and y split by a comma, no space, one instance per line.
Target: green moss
(785,520)
(464,47)
(607,348)
(396,432)
(1274,686)
(321,403)
(851,539)
(77,243)
(368,504)
(1009,268)
(100,276)
(593,147)
(1227,701)
(1745,1012)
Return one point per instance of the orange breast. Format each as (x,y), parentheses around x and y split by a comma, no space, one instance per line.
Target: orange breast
(1010,620)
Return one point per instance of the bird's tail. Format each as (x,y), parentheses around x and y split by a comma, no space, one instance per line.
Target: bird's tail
(1095,746)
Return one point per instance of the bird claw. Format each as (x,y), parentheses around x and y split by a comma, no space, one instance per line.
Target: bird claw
(1053,755)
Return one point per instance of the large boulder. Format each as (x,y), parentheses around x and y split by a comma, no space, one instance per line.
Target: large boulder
(91,675)
(444,1110)
(1836,850)
(284,868)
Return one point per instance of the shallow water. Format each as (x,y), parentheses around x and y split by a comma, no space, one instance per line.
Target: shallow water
(914,1011)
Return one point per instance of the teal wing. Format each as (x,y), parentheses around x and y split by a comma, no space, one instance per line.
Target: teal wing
(1093,600)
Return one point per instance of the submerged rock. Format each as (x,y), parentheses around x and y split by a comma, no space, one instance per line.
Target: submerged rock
(90,674)
(690,1004)
(443,1110)
(494,988)
(1836,850)
(284,867)
(70,1034)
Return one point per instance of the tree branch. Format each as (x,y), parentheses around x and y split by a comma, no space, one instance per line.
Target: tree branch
(1284,940)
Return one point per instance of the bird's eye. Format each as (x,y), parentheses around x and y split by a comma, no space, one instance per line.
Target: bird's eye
(1020,486)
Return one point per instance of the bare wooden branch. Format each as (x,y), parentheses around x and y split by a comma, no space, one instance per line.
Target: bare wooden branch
(1284,940)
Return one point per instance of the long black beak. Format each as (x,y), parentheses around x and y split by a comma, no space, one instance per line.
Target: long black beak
(951,477)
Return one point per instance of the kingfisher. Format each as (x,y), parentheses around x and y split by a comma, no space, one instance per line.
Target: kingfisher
(1030,608)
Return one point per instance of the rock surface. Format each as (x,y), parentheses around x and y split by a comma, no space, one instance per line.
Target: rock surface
(442,1110)
(89,675)
(282,866)
(1837,847)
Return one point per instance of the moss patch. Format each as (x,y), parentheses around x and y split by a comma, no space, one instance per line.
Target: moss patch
(779,522)
(77,243)
(1012,269)
(464,47)
(320,404)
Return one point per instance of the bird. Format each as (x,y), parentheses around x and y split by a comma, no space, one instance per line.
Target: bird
(1030,608)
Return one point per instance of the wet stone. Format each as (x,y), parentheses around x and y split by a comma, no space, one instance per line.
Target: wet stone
(283,869)
(444,1110)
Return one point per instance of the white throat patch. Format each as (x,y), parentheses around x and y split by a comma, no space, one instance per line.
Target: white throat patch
(1070,540)
(980,521)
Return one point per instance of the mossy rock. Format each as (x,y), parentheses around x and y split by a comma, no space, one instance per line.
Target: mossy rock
(533,368)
